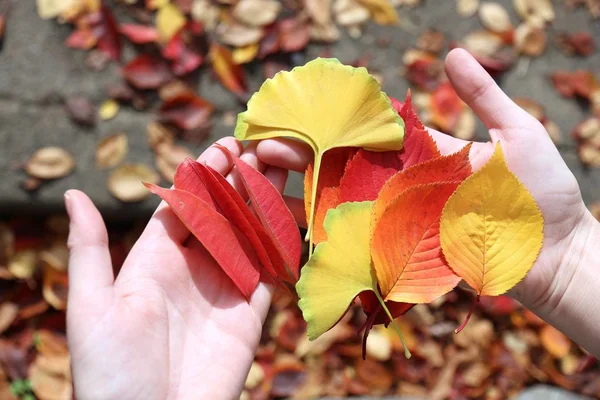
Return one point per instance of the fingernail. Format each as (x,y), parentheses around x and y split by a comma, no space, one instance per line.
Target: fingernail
(68,202)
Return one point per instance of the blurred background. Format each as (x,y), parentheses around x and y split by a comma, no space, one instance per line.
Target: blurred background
(101,95)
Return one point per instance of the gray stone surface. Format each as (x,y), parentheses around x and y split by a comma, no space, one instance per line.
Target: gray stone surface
(36,66)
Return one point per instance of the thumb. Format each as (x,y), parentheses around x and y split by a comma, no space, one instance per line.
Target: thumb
(90,267)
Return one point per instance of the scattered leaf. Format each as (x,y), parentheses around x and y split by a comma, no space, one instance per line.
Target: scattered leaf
(186,111)
(50,163)
(494,17)
(55,287)
(140,34)
(230,74)
(555,342)
(146,72)
(382,11)
(530,39)
(51,377)
(80,110)
(256,12)
(125,182)
(537,12)
(579,43)
(111,150)
(8,313)
(467,8)
(48,9)
(169,20)
(168,158)
(108,110)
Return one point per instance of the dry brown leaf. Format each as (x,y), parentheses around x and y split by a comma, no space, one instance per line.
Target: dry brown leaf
(319,11)
(80,110)
(48,9)
(239,35)
(467,8)
(350,13)
(569,364)
(159,134)
(168,157)
(111,150)
(379,344)
(23,264)
(255,376)
(482,43)
(476,374)
(108,110)
(55,287)
(7,244)
(56,256)
(338,333)
(382,11)
(256,12)
(324,33)
(125,182)
(8,313)
(536,12)
(50,344)
(494,17)
(205,12)
(443,386)
(174,89)
(532,107)
(373,374)
(530,39)
(432,352)
(50,163)
(479,333)
(466,125)
(589,155)
(431,40)
(554,341)
(554,131)
(51,377)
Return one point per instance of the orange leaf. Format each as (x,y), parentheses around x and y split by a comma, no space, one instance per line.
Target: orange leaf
(451,168)
(230,74)
(446,107)
(405,246)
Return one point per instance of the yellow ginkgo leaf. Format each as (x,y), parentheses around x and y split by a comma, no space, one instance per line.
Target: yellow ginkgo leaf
(339,269)
(491,229)
(383,11)
(325,104)
(169,20)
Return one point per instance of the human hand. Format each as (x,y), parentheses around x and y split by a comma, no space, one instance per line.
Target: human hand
(530,154)
(172,324)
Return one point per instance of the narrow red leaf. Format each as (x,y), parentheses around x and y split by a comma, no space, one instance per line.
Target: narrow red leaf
(186,111)
(109,40)
(187,179)
(139,34)
(235,209)
(272,211)
(146,72)
(221,239)
(82,39)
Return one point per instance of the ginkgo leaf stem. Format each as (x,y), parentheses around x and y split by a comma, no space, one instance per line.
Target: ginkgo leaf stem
(393,322)
(462,326)
(313,200)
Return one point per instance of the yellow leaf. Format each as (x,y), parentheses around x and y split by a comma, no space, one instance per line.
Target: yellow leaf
(243,55)
(325,104)
(48,9)
(383,11)
(108,110)
(169,20)
(491,229)
(339,269)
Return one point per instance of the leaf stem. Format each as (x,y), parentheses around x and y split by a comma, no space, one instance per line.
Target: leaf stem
(462,326)
(396,328)
(313,200)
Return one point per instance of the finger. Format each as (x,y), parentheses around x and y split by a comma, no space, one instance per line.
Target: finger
(285,153)
(250,158)
(165,223)
(90,266)
(296,206)
(446,143)
(480,92)
(277,176)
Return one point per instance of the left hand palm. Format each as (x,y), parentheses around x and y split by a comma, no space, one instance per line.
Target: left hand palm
(172,325)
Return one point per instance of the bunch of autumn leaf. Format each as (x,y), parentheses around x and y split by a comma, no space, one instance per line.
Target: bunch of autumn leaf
(394,222)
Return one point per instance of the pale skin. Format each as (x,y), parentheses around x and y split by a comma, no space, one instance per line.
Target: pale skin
(171,325)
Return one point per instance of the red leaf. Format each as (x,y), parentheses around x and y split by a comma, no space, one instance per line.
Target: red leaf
(366,173)
(328,189)
(82,38)
(424,73)
(581,83)
(146,72)
(231,75)
(184,59)
(109,40)
(139,34)
(273,213)
(418,145)
(446,107)
(186,111)
(235,209)
(186,178)
(294,35)
(220,238)
(270,42)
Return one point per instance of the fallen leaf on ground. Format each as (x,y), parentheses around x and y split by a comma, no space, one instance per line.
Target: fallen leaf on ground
(186,111)
(231,75)
(8,313)
(80,110)
(555,342)
(50,163)
(108,110)
(493,16)
(111,150)
(55,287)
(169,20)
(146,72)
(125,182)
